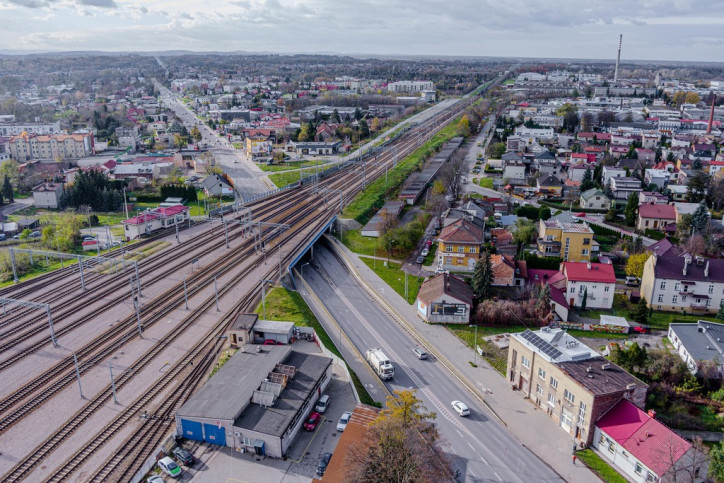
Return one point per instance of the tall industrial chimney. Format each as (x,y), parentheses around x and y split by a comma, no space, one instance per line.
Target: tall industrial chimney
(711,115)
(618,58)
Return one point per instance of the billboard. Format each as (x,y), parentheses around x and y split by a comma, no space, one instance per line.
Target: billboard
(448,309)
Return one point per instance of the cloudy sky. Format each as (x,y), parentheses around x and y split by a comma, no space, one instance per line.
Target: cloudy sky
(652,29)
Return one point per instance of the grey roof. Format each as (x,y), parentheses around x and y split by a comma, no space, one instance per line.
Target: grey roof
(511,156)
(704,341)
(589,374)
(273,327)
(225,395)
(668,267)
(545,155)
(276,419)
(244,321)
(211,180)
(591,193)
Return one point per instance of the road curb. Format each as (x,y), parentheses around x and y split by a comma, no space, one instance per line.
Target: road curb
(411,329)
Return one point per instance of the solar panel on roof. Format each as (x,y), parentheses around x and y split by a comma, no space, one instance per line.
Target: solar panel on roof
(541,344)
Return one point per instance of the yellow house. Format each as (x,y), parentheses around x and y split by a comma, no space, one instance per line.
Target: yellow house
(257,145)
(570,241)
(459,246)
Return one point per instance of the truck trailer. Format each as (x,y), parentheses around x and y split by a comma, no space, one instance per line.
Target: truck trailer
(380,363)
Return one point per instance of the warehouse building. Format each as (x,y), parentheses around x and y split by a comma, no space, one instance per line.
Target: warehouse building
(257,401)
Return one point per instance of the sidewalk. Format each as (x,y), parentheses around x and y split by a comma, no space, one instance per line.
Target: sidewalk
(534,429)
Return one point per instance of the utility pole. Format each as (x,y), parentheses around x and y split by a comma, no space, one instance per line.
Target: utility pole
(77,374)
(113,383)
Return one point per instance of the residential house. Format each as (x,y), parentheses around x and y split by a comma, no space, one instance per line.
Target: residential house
(569,381)
(556,282)
(648,197)
(664,247)
(444,299)
(592,284)
(576,172)
(459,246)
(645,450)
(215,185)
(715,167)
(570,241)
(610,172)
(507,271)
(655,217)
(549,186)
(313,148)
(658,177)
(47,195)
(26,146)
(595,199)
(623,188)
(502,240)
(683,283)
(678,192)
(687,209)
(514,172)
(257,145)
(698,343)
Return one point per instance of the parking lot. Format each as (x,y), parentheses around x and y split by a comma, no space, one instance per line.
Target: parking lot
(223,465)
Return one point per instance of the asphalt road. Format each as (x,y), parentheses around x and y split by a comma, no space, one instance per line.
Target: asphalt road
(478,445)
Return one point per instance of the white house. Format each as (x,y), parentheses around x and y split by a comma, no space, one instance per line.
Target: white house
(698,343)
(445,298)
(152,220)
(645,450)
(514,172)
(595,199)
(47,195)
(611,172)
(658,177)
(594,282)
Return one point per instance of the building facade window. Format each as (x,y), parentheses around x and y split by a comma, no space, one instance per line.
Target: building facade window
(525,361)
(554,382)
(663,285)
(541,373)
(711,288)
(677,285)
(461,249)
(551,399)
(674,299)
(473,250)
(568,396)
(661,297)
(581,413)
(586,241)
(584,251)
(538,389)
(638,469)
(448,248)
(606,288)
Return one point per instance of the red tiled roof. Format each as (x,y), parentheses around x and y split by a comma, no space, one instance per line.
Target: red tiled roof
(172,210)
(646,439)
(667,212)
(461,231)
(580,272)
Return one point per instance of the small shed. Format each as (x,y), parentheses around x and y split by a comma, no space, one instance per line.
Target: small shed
(240,331)
(613,321)
(29,223)
(280,332)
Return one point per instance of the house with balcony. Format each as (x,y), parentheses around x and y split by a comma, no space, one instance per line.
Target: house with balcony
(624,187)
(683,284)
(571,241)
(594,283)
(568,381)
(610,172)
(459,246)
(655,217)
(658,177)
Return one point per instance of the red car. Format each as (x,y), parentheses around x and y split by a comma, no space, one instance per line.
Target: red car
(313,421)
(271,342)
(581,214)
(428,243)
(641,330)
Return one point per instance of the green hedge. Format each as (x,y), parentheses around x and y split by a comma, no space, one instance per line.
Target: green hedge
(546,263)
(654,234)
(604,231)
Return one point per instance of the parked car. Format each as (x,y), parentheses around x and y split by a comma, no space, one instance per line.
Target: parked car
(420,260)
(170,467)
(183,456)
(155,479)
(632,281)
(35,234)
(424,252)
(342,424)
(322,404)
(323,462)
(272,342)
(428,242)
(313,421)
(421,354)
(460,408)
(639,329)
(2,236)
(88,237)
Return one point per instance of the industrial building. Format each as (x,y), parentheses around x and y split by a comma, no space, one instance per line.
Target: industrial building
(257,401)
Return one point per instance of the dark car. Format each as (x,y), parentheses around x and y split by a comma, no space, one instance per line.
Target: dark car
(323,462)
(313,421)
(183,456)
(420,260)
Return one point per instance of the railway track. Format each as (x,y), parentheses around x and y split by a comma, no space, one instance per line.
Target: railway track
(345,178)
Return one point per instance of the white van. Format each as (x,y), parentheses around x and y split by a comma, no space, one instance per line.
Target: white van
(322,404)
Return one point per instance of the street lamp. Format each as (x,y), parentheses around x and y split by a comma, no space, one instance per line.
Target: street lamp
(475,345)
(263,297)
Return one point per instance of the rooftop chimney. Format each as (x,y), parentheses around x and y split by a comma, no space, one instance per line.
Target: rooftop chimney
(687,261)
(706,269)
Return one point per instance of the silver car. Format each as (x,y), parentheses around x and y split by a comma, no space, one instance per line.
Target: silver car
(460,408)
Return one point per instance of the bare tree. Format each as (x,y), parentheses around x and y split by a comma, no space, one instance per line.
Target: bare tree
(688,467)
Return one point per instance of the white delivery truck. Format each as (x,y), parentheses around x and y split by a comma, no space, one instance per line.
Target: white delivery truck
(380,363)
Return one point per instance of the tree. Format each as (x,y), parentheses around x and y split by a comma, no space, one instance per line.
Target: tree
(406,407)
(463,127)
(611,213)
(7,191)
(438,188)
(698,186)
(364,130)
(585,298)
(642,312)
(692,98)
(720,314)
(635,264)
(699,219)
(632,206)
(544,213)
(524,231)
(196,134)
(10,168)
(587,182)
(483,277)
(716,463)
(375,125)
(608,191)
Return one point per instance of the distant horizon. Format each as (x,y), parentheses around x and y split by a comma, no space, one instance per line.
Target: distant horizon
(390,56)
(670,30)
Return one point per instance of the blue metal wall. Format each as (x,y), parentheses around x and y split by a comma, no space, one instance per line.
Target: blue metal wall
(214,435)
(192,430)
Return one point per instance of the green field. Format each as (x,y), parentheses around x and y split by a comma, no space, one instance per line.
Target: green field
(363,245)
(365,204)
(622,307)
(602,469)
(395,278)
(291,165)
(486,183)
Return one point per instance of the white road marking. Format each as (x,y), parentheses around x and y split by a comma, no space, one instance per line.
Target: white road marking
(471,446)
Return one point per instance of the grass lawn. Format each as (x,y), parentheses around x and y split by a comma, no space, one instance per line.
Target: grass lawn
(509,82)
(486,183)
(430,258)
(602,469)
(364,245)
(660,320)
(283,179)
(285,305)
(497,358)
(290,165)
(371,199)
(395,278)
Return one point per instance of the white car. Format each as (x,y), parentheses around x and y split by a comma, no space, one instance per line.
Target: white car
(343,420)
(425,251)
(155,479)
(460,408)
(170,467)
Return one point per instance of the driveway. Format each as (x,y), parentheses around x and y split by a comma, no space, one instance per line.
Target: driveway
(19,204)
